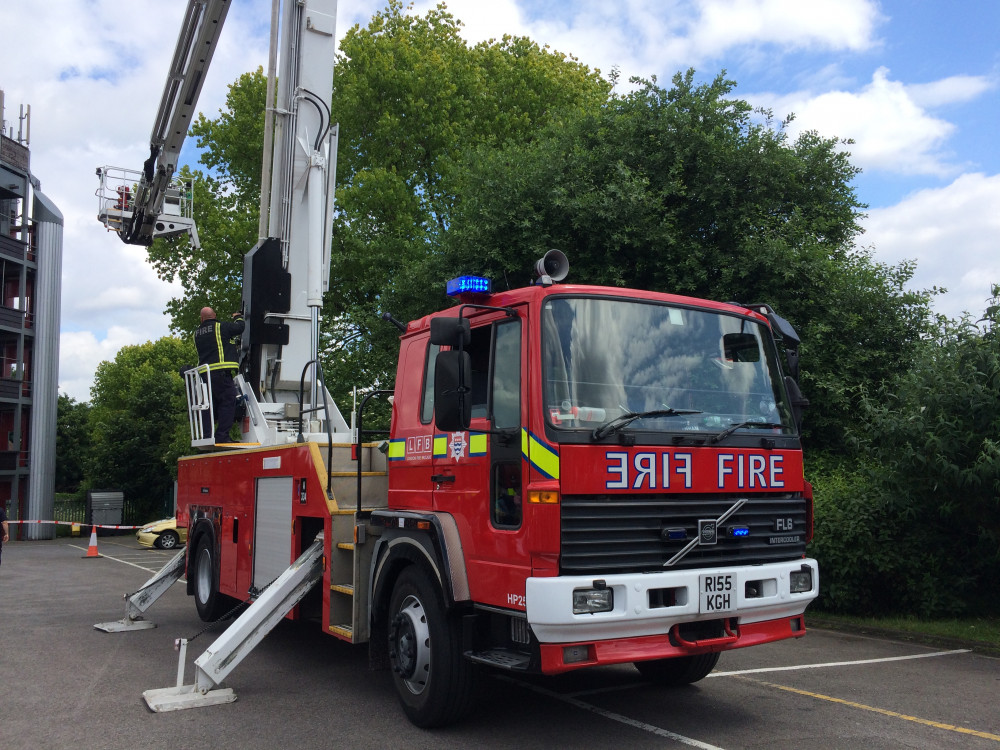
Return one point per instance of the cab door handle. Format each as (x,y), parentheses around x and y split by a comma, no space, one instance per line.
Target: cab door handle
(439,478)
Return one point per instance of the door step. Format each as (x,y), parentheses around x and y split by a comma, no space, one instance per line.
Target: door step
(501,658)
(343,631)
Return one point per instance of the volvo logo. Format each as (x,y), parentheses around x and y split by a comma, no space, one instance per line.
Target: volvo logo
(708,532)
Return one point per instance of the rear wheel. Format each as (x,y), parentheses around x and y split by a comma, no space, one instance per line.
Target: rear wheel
(434,681)
(167,540)
(681,670)
(207,599)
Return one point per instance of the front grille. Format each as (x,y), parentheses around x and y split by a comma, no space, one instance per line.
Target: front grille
(624,533)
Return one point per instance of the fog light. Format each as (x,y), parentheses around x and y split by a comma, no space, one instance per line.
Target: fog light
(588,601)
(800,581)
(575,654)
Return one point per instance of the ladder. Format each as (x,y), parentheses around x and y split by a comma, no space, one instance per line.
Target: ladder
(346,600)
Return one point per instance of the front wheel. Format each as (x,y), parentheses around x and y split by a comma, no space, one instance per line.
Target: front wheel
(681,670)
(434,681)
(207,599)
(167,540)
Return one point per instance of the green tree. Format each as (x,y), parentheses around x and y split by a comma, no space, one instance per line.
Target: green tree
(413,100)
(685,190)
(917,528)
(72,443)
(138,421)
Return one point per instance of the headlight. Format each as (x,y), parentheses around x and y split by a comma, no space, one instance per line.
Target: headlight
(588,601)
(800,581)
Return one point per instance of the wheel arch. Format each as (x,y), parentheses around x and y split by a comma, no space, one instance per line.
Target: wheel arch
(429,541)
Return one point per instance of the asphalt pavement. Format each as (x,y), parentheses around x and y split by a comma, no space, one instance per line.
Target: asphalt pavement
(64,684)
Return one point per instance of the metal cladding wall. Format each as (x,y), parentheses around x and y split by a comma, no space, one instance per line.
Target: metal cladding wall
(45,381)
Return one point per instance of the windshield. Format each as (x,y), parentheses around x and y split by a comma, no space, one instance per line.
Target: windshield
(616,359)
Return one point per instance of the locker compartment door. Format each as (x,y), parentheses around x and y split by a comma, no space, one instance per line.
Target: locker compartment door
(272,538)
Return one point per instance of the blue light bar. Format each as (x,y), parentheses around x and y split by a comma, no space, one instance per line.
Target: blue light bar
(469,285)
(739,531)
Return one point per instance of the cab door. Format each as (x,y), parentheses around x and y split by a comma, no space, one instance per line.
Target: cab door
(478,474)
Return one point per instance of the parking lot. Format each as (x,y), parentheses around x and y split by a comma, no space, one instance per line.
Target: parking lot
(64,684)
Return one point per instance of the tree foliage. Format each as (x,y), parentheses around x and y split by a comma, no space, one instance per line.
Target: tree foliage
(684,190)
(138,420)
(917,528)
(415,102)
(72,443)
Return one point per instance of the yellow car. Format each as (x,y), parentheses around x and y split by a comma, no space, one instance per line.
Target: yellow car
(163,534)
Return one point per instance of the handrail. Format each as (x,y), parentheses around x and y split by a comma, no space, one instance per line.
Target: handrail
(326,414)
(361,432)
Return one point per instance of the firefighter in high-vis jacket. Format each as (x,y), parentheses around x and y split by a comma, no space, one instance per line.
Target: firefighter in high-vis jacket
(216,348)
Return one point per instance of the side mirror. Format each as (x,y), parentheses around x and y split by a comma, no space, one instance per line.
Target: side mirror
(798,402)
(452,395)
(790,340)
(453,332)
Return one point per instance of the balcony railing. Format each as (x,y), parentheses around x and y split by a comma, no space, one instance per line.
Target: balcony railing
(11,317)
(11,248)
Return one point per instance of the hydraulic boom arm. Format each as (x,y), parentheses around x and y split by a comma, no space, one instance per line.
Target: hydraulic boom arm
(141,205)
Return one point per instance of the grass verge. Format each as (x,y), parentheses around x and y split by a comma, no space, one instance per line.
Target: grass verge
(979,633)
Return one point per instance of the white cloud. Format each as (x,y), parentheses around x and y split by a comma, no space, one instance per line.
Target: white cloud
(951,90)
(791,24)
(81,351)
(889,121)
(952,232)
(647,37)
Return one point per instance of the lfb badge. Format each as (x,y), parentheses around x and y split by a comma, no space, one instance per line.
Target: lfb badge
(457,445)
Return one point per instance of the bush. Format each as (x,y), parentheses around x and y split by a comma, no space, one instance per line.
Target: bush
(915,528)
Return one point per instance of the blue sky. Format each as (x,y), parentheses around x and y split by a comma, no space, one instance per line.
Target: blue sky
(915,84)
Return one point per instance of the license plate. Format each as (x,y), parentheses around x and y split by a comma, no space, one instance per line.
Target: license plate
(717,593)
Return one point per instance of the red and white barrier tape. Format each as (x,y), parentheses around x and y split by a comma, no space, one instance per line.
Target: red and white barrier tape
(75,523)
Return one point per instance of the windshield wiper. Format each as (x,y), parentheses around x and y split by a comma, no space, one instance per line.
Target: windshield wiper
(733,428)
(630,416)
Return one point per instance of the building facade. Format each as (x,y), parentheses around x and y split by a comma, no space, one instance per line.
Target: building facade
(31,236)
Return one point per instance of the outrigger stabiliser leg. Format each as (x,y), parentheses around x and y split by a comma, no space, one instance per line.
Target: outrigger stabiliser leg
(240,638)
(136,604)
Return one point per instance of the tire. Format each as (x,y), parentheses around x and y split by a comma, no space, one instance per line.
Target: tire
(168,540)
(436,684)
(208,600)
(681,670)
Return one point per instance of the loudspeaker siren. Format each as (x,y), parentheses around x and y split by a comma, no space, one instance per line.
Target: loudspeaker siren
(553,266)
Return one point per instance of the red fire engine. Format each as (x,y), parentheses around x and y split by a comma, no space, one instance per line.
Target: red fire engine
(574,475)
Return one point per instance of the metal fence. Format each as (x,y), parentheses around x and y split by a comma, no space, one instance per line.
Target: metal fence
(134,513)
(71,511)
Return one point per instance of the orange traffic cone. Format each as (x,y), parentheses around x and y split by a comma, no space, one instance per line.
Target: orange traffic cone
(92,549)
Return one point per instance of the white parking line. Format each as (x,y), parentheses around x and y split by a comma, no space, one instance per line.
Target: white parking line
(839,663)
(762,670)
(116,559)
(658,731)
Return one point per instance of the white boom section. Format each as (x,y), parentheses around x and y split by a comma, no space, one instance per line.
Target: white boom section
(141,600)
(146,214)
(302,189)
(240,638)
